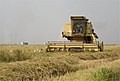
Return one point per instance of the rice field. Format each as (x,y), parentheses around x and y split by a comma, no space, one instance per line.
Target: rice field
(33,63)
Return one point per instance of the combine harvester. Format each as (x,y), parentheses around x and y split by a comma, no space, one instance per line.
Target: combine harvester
(80,35)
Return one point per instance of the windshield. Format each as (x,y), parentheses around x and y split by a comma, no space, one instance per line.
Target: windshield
(78,26)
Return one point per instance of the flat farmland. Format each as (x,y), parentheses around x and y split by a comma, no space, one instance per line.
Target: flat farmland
(33,63)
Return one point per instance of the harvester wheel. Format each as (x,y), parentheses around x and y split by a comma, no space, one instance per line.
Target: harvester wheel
(101,46)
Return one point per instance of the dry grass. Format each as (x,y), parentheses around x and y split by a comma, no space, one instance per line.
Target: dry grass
(32,63)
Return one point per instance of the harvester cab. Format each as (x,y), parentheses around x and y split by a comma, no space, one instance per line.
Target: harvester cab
(80,33)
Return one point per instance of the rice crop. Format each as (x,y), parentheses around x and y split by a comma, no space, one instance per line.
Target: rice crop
(33,63)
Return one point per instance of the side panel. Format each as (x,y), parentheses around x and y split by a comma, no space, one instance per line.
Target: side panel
(67,30)
(89,28)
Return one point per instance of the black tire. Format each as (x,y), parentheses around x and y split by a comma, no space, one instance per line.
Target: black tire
(101,47)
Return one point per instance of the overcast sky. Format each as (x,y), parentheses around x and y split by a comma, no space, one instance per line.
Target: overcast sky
(38,21)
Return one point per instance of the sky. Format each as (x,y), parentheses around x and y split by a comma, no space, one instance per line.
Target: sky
(39,21)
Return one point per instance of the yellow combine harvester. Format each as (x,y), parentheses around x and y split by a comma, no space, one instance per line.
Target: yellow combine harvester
(81,36)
